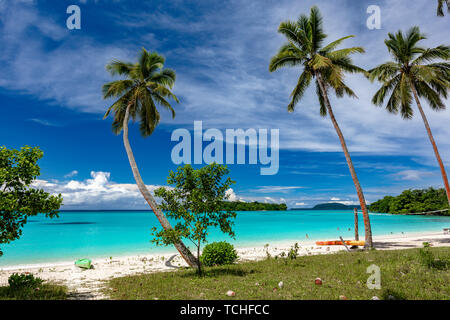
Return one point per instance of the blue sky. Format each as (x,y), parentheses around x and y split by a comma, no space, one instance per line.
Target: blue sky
(50,96)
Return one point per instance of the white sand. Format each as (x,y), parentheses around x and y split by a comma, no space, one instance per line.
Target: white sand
(87,284)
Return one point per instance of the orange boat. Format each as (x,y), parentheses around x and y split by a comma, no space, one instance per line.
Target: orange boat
(339,243)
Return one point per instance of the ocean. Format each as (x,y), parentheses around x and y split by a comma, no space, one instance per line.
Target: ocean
(99,234)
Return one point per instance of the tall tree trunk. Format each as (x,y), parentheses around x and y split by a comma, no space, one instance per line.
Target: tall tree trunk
(356,225)
(362,201)
(182,249)
(433,143)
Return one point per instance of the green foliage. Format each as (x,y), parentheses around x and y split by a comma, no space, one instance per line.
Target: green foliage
(20,281)
(195,203)
(412,201)
(252,206)
(18,200)
(304,48)
(29,287)
(412,68)
(293,252)
(147,84)
(428,259)
(218,254)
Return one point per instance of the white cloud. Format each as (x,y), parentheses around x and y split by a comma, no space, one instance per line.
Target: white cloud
(99,192)
(71,174)
(300,204)
(412,174)
(275,189)
(231,195)
(239,41)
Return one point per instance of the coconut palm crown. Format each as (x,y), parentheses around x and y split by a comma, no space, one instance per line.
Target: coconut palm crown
(305,49)
(414,74)
(147,85)
(412,65)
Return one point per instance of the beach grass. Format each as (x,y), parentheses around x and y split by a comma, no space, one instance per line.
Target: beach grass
(45,291)
(404,275)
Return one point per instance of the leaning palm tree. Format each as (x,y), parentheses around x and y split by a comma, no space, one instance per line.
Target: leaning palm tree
(440,8)
(411,74)
(146,85)
(326,66)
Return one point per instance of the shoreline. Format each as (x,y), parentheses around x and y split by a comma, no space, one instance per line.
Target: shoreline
(88,284)
(172,251)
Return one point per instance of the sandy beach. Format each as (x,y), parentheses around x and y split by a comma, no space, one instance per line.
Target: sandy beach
(87,284)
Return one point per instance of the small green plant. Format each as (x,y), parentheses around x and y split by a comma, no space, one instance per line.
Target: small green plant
(218,253)
(426,244)
(293,252)
(20,281)
(428,259)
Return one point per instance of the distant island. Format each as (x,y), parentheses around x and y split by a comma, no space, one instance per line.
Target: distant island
(253,206)
(330,206)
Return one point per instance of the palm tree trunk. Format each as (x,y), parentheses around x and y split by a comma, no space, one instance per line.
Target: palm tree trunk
(433,143)
(182,249)
(356,225)
(362,201)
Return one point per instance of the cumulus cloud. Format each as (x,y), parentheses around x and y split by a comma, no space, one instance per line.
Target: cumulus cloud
(99,192)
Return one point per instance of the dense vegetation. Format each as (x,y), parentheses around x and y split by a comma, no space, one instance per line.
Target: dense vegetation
(29,287)
(406,274)
(252,206)
(412,201)
(19,200)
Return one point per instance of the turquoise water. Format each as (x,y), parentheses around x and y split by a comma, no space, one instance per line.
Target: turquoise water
(82,234)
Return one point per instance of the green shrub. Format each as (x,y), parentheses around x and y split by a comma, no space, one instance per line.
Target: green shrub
(218,253)
(20,281)
(293,252)
(428,259)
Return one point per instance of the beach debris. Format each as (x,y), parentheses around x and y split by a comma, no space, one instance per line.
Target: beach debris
(280,284)
(231,293)
(375,298)
(318,281)
(342,297)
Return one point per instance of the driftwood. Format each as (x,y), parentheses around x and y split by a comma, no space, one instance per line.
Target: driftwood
(343,242)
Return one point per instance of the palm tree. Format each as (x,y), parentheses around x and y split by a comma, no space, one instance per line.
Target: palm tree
(327,66)
(411,74)
(146,85)
(440,8)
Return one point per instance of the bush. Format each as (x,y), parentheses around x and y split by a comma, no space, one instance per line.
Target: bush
(218,253)
(293,252)
(428,259)
(20,281)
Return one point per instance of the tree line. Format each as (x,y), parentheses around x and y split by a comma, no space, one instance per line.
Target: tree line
(413,201)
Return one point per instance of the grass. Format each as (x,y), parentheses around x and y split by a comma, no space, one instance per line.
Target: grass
(404,275)
(45,291)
